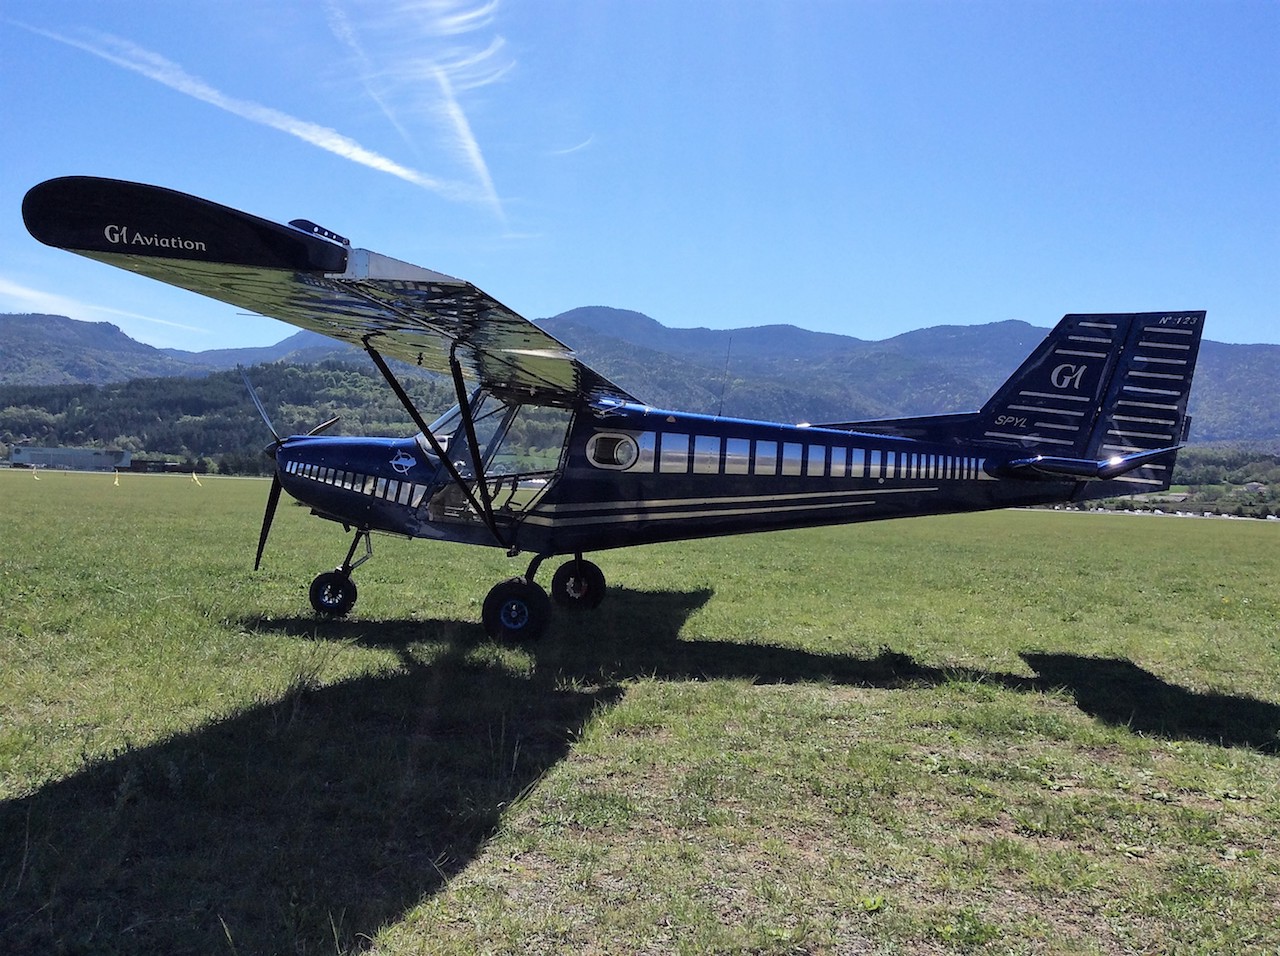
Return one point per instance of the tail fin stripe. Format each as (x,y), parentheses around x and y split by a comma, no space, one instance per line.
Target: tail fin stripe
(1164,345)
(1096,340)
(1120,434)
(1155,405)
(1047,441)
(1167,376)
(1067,398)
(1080,354)
(1097,325)
(1127,449)
(1160,361)
(1042,410)
(1142,421)
(1151,391)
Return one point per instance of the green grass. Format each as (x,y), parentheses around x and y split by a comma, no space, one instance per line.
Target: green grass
(1026,732)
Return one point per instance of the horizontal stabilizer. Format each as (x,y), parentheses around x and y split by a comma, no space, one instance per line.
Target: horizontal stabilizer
(1083,469)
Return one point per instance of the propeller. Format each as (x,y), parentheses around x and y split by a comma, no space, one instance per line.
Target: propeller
(273,499)
(273,496)
(325,426)
(257,403)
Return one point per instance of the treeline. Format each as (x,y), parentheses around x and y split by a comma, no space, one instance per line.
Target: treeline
(211,422)
(1228,480)
(1226,464)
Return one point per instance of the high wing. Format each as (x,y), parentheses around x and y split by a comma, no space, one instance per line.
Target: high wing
(310,278)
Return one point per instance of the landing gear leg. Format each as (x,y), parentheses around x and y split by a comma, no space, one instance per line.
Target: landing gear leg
(333,593)
(517,609)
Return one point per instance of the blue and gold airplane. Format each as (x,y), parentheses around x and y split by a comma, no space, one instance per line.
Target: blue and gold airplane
(546,456)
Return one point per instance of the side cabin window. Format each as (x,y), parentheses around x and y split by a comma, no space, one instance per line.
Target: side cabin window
(673,456)
(533,441)
(706,455)
(618,451)
(737,456)
(766,460)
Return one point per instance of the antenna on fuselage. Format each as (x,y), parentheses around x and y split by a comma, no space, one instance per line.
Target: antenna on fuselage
(724,381)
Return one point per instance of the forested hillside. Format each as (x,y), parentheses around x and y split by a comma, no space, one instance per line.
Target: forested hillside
(37,349)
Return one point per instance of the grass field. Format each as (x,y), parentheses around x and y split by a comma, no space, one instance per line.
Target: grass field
(1021,732)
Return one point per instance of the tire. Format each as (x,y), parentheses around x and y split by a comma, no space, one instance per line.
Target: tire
(578,584)
(333,594)
(516,610)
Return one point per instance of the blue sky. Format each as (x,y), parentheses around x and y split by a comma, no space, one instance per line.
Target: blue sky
(855,167)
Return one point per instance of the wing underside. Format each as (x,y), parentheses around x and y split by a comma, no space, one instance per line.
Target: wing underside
(402,311)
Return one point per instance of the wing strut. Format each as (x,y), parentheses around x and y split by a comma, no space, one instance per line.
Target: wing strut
(483,506)
(468,422)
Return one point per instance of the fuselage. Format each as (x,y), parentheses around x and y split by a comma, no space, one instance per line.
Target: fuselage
(628,474)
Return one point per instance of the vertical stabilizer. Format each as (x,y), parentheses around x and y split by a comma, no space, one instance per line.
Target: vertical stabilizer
(1102,387)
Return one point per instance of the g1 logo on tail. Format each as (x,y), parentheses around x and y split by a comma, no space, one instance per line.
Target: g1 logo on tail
(1067,376)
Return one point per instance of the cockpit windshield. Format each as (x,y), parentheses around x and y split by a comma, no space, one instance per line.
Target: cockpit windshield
(512,438)
(489,414)
(520,448)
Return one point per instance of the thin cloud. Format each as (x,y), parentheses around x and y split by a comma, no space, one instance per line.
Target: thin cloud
(340,26)
(448,17)
(466,142)
(155,67)
(50,303)
(405,41)
(575,149)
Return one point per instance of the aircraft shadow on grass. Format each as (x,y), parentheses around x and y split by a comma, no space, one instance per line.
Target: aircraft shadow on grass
(306,823)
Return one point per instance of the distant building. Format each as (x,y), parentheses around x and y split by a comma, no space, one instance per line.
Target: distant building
(70,459)
(154,465)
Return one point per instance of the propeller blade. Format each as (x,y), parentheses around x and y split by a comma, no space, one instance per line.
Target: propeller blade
(257,403)
(325,426)
(273,499)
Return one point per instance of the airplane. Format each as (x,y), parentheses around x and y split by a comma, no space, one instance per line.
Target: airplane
(545,456)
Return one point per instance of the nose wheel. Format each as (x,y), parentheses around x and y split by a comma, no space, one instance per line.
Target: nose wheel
(333,593)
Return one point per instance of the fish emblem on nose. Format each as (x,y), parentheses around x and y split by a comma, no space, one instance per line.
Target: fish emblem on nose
(402,462)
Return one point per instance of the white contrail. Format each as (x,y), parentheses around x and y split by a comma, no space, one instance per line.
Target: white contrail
(340,26)
(465,141)
(574,149)
(451,17)
(406,40)
(50,303)
(156,67)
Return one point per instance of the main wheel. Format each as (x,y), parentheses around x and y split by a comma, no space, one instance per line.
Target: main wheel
(516,610)
(333,593)
(578,584)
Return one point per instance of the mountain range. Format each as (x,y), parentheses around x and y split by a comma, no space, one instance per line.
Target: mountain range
(775,372)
